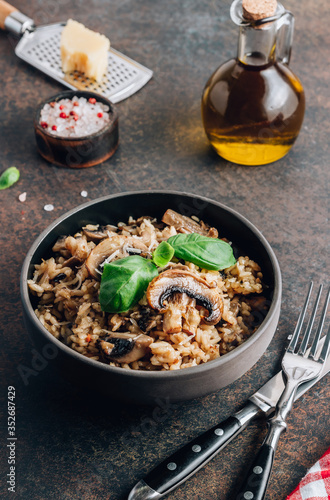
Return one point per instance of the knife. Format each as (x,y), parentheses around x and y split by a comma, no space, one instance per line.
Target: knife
(193,456)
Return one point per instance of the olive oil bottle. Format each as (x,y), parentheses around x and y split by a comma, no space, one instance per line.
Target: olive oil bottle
(253,106)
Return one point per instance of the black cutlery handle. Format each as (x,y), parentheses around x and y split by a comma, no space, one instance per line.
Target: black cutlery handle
(256,482)
(191,457)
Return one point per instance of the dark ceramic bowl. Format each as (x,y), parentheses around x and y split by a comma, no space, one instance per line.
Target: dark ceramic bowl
(146,387)
(78,152)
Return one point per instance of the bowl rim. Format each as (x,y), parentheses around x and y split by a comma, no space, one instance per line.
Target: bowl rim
(157,375)
(66,94)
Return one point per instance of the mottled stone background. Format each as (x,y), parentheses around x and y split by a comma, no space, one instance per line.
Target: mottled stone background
(74,445)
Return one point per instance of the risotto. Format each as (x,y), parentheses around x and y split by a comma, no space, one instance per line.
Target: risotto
(148,294)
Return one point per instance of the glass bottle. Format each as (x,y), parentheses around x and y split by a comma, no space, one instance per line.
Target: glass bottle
(253,106)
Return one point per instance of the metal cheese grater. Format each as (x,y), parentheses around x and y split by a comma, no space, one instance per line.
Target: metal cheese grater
(40,47)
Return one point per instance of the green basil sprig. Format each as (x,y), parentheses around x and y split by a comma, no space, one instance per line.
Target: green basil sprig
(9,177)
(208,253)
(124,283)
(163,254)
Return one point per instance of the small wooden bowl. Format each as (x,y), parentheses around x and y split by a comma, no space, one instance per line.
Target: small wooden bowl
(78,152)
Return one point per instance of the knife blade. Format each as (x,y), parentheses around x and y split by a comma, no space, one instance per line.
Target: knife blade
(186,461)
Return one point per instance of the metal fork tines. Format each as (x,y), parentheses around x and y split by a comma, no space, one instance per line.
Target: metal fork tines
(298,367)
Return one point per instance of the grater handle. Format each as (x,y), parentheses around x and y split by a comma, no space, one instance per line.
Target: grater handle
(5,10)
(13,20)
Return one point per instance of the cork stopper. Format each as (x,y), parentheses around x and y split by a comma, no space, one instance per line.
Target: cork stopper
(253,10)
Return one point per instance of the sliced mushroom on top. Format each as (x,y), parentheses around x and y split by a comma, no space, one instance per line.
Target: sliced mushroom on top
(181,315)
(175,308)
(191,318)
(184,224)
(124,347)
(108,247)
(170,292)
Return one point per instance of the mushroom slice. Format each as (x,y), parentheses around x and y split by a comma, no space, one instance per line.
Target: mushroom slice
(191,318)
(151,219)
(146,321)
(133,243)
(181,315)
(184,224)
(175,309)
(72,262)
(60,246)
(124,347)
(78,249)
(106,248)
(173,281)
(98,234)
(101,252)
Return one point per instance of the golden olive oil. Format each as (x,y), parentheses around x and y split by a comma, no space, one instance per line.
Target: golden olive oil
(252,114)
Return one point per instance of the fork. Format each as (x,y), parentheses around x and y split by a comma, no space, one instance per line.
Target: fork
(298,369)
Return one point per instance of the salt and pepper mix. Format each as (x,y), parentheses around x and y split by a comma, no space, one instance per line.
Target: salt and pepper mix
(76,117)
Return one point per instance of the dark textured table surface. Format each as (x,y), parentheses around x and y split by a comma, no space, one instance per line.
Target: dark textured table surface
(69,444)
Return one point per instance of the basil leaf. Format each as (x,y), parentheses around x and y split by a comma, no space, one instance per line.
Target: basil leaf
(205,252)
(124,282)
(9,177)
(163,254)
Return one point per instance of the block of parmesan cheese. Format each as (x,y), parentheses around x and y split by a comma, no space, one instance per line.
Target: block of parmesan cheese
(84,50)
